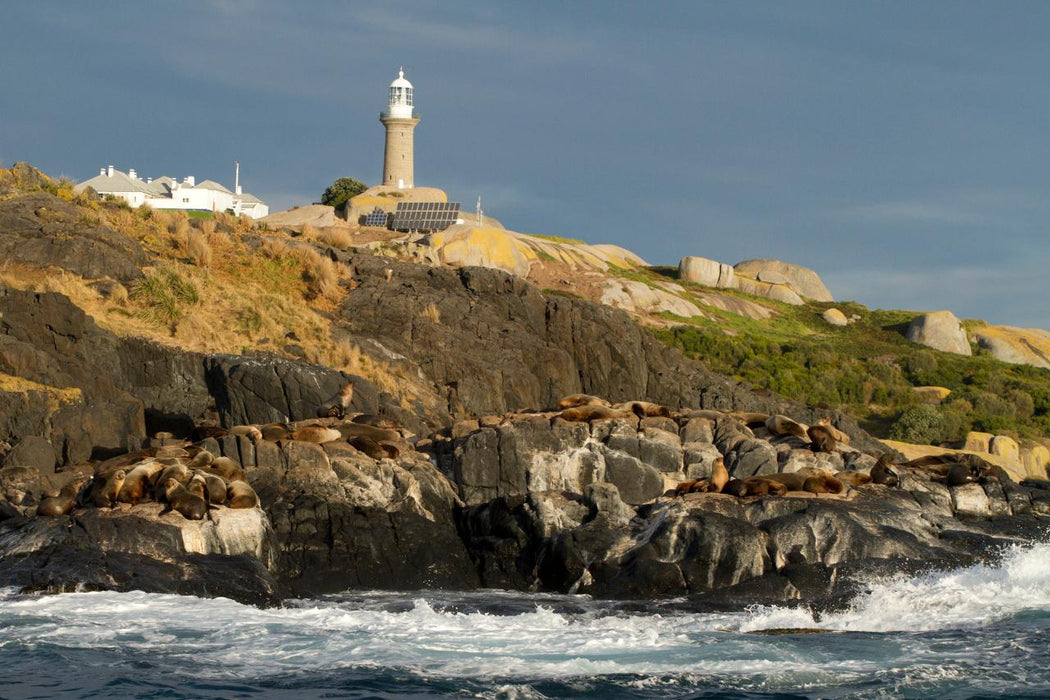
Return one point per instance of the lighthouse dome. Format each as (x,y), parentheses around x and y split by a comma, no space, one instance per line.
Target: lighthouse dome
(400,102)
(400,81)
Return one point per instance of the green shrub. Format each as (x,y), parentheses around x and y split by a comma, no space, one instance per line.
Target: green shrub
(922,424)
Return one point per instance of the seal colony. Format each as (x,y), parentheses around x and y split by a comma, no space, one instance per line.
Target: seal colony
(191,481)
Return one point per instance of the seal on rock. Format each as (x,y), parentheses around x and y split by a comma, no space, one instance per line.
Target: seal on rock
(105,495)
(335,406)
(883,473)
(137,482)
(644,409)
(761,486)
(840,437)
(63,503)
(735,487)
(576,400)
(317,434)
(782,426)
(179,472)
(853,478)
(249,431)
(821,439)
(188,504)
(240,494)
(587,413)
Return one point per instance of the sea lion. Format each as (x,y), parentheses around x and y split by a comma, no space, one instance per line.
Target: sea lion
(201,459)
(351,430)
(203,432)
(575,400)
(335,407)
(781,426)
(179,472)
(883,473)
(317,434)
(137,482)
(691,486)
(275,431)
(840,437)
(853,478)
(821,439)
(179,498)
(369,447)
(735,487)
(749,418)
(216,488)
(719,475)
(105,495)
(959,474)
(823,483)
(644,409)
(198,486)
(63,502)
(240,494)
(794,481)
(228,469)
(761,486)
(589,412)
(376,421)
(249,431)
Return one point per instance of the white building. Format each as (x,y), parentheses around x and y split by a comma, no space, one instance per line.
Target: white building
(168,193)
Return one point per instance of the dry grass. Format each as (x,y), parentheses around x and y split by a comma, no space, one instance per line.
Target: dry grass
(350,358)
(197,247)
(309,232)
(432,313)
(335,237)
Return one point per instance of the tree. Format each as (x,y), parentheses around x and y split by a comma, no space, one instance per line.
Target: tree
(342,190)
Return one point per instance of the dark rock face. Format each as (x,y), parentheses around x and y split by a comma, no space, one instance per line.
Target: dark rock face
(502,345)
(45,230)
(255,390)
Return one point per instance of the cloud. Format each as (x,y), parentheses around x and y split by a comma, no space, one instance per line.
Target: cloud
(970,206)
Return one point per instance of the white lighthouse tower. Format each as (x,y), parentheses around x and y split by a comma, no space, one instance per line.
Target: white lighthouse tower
(398,165)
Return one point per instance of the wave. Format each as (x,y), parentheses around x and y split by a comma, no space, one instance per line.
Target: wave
(501,635)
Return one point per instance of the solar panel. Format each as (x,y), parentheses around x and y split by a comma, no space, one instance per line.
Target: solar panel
(377,217)
(425,216)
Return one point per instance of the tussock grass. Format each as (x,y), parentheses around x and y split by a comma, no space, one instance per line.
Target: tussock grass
(431,313)
(165,296)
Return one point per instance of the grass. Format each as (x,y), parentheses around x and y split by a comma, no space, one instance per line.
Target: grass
(556,239)
(165,296)
(199,214)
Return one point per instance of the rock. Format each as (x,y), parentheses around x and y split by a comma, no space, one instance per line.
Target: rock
(940,330)
(698,430)
(931,394)
(707,272)
(752,458)
(777,292)
(32,451)
(835,317)
(481,246)
(269,390)
(970,499)
(1019,346)
(699,459)
(1005,447)
(1035,460)
(46,231)
(636,481)
(978,442)
(641,298)
(802,280)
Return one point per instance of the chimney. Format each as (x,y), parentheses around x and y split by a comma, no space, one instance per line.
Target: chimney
(101,171)
(131,174)
(109,171)
(149,181)
(237,178)
(189,180)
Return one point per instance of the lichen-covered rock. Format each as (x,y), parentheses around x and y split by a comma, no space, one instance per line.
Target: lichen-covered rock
(709,273)
(834,317)
(802,280)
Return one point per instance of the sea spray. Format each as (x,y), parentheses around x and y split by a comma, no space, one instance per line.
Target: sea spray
(902,636)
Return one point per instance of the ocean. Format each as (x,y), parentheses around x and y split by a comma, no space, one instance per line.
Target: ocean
(982,631)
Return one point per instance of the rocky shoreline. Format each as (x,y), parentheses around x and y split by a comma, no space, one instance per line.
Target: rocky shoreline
(522,501)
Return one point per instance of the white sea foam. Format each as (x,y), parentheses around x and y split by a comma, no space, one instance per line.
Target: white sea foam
(545,636)
(956,599)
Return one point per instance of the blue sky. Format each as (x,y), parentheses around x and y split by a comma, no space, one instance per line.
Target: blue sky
(899,149)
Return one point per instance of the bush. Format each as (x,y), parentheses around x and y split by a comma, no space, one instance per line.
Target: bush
(342,190)
(922,424)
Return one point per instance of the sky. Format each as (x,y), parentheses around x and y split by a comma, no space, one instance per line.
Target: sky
(899,149)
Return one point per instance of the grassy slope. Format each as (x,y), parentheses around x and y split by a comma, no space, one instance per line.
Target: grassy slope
(867,368)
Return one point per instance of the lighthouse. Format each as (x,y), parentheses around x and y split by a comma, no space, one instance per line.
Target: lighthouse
(399,123)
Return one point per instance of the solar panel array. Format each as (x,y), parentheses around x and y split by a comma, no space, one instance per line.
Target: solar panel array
(425,216)
(377,217)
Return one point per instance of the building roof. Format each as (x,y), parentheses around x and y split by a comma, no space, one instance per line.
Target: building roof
(247,198)
(211,185)
(117,182)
